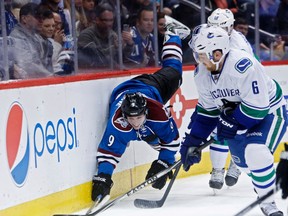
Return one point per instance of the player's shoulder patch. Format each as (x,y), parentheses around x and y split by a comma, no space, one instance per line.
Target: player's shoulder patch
(119,122)
(243,64)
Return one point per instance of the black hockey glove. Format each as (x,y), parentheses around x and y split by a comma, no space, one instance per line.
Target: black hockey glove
(101,186)
(282,172)
(227,126)
(156,167)
(190,154)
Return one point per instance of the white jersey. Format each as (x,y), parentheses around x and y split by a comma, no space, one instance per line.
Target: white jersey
(239,41)
(242,80)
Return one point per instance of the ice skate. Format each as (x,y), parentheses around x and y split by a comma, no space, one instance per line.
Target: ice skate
(232,174)
(217,178)
(270,209)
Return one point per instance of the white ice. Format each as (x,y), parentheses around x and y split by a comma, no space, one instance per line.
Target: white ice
(193,196)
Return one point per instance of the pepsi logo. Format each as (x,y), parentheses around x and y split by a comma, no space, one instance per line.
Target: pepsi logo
(17,144)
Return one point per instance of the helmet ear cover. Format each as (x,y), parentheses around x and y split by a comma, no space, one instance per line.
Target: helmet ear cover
(134,104)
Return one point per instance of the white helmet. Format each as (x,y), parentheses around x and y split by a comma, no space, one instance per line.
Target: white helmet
(223,18)
(195,31)
(208,40)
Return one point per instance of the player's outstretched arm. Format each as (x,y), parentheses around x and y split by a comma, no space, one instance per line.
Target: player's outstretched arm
(172,52)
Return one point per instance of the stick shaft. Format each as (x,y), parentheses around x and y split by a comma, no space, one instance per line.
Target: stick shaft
(256,202)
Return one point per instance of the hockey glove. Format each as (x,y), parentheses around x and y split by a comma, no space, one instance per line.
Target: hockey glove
(101,186)
(282,172)
(156,167)
(227,126)
(174,27)
(190,154)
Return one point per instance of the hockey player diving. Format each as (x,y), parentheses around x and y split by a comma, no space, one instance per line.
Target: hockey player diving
(137,112)
(246,106)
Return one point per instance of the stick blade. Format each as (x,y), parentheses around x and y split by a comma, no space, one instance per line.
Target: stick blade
(98,204)
(141,203)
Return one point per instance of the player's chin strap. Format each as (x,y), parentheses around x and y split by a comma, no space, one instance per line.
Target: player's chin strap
(217,64)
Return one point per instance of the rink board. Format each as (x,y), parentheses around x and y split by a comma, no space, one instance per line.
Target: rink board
(50,130)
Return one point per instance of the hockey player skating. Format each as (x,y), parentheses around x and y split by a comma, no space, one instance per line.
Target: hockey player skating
(224,18)
(246,106)
(137,112)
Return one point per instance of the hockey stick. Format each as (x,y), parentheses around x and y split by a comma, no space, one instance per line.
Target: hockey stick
(98,203)
(258,201)
(142,203)
(147,182)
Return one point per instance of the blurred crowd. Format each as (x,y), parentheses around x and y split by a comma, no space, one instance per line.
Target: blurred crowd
(45,37)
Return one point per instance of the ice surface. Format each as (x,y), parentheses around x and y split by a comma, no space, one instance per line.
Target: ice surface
(193,196)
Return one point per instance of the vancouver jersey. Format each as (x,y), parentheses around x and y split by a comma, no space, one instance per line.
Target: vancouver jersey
(143,48)
(241,80)
(239,41)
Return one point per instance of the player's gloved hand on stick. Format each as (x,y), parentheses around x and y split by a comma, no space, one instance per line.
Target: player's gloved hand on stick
(156,167)
(227,126)
(190,153)
(282,172)
(101,186)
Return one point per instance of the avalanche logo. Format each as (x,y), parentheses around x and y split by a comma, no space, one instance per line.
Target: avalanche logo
(17,144)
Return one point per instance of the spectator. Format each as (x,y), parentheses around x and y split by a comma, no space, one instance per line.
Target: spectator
(16,5)
(53,5)
(58,51)
(8,55)
(46,31)
(98,44)
(133,7)
(124,14)
(278,48)
(89,9)
(143,50)
(28,63)
(241,25)
(57,41)
(272,49)
(80,16)
(161,31)
(11,20)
